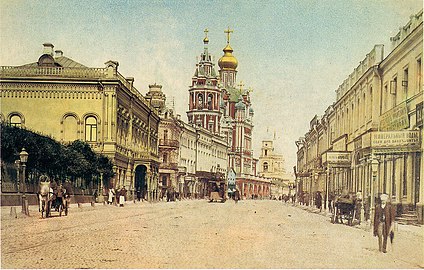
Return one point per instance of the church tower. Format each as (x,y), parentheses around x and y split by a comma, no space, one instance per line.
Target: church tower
(228,64)
(204,93)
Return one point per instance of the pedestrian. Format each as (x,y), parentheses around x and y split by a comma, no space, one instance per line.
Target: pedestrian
(111,195)
(122,195)
(384,219)
(236,196)
(318,200)
(330,201)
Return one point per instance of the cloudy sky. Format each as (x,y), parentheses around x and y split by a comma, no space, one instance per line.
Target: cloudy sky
(294,54)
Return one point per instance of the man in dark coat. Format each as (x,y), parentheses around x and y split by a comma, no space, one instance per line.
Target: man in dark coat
(384,219)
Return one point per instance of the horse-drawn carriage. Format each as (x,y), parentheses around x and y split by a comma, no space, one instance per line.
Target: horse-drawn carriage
(57,199)
(217,191)
(344,208)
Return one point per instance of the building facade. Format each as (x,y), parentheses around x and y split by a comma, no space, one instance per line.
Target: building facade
(370,139)
(68,101)
(219,127)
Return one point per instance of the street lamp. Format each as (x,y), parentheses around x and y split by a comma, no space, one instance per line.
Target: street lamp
(23,155)
(374,168)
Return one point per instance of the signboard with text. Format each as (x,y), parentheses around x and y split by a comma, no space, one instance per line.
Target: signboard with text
(336,158)
(396,139)
(395,119)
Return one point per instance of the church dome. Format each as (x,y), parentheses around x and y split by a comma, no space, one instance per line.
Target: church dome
(240,105)
(228,61)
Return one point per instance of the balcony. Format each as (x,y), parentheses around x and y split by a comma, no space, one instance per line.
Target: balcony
(169,143)
(169,166)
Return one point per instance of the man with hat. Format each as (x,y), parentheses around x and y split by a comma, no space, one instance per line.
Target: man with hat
(384,219)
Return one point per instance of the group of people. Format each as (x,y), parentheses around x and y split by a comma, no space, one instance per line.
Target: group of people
(117,196)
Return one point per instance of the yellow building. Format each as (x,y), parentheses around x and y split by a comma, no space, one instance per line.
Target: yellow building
(370,140)
(66,100)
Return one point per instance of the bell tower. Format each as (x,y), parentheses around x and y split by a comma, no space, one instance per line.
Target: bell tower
(228,64)
(204,93)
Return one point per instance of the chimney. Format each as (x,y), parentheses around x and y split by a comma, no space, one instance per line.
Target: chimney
(48,48)
(58,53)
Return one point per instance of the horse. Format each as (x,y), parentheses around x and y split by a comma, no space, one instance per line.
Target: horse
(44,198)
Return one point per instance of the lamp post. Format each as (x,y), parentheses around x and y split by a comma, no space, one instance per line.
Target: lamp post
(374,167)
(23,155)
(18,169)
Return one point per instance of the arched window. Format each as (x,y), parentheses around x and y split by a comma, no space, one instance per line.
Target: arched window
(210,101)
(265,166)
(91,129)
(16,121)
(70,128)
(200,101)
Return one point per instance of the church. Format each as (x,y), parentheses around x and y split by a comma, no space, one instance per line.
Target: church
(218,104)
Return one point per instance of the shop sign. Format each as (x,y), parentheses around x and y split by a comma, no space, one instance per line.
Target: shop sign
(336,157)
(395,119)
(395,139)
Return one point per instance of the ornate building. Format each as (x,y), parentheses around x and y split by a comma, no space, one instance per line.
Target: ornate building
(66,100)
(370,139)
(217,106)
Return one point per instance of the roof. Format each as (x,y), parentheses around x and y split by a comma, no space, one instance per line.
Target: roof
(61,61)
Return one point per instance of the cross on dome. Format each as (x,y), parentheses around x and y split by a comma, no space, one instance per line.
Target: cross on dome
(228,32)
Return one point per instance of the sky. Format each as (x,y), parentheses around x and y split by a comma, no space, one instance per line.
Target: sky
(293,53)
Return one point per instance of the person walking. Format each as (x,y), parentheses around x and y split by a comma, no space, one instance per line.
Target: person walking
(384,219)
(318,200)
(236,196)
(111,195)
(330,201)
(122,195)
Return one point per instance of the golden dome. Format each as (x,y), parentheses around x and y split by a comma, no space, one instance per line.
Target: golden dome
(228,61)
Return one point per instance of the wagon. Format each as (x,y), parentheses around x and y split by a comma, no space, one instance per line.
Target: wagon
(344,208)
(217,193)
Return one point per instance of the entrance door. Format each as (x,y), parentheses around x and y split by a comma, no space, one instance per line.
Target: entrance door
(140,182)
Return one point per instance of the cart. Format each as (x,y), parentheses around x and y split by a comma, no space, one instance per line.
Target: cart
(344,208)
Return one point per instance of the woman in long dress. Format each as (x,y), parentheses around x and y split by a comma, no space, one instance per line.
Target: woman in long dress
(111,195)
(122,195)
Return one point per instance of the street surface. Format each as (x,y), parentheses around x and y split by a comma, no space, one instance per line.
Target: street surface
(198,234)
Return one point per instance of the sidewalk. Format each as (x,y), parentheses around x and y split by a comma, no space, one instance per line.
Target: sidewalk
(366,225)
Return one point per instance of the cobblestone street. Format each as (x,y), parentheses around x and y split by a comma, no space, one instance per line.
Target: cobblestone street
(197,234)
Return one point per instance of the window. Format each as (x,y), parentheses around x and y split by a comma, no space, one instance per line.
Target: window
(165,135)
(210,102)
(91,129)
(419,74)
(265,166)
(405,82)
(393,86)
(266,152)
(15,121)
(200,101)
(165,158)
(70,128)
